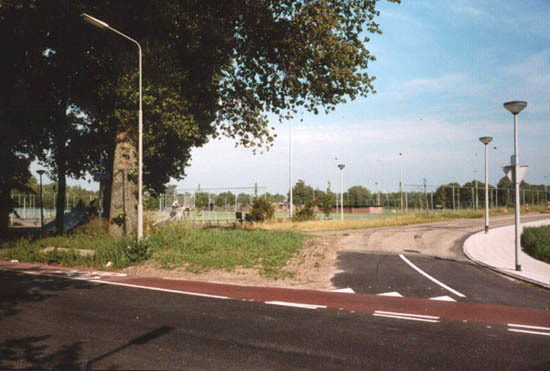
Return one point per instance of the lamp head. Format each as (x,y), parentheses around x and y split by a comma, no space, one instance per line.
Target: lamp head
(40,172)
(96,22)
(341,166)
(485,140)
(515,106)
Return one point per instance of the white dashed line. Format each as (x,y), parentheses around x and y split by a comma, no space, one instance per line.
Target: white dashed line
(526,329)
(443,298)
(393,293)
(346,290)
(296,305)
(407,316)
(430,277)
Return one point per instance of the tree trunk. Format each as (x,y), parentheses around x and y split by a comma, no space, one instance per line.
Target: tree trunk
(5,206)
(123,210)
(60,202)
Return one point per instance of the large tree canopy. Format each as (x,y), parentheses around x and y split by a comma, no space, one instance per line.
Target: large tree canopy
(210,68)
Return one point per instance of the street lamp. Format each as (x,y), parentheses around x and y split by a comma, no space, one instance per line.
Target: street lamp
(341,167)
(485,141)
(401,180)
(515,107)
(102,25)
(40,172)
(290,168)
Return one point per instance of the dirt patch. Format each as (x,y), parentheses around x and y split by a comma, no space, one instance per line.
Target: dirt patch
(311,268)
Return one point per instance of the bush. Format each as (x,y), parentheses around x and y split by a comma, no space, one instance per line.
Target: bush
(535,241)
(305,214)
(262,210)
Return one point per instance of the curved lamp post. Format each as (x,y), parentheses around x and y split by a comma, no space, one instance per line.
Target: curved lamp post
(485,141)
(515,107)
(341,167)
(104,26)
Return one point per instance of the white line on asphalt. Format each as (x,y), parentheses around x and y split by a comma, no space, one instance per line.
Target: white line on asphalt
(529,327)
(346,290)
(393,293)
(443,298)
(116,283)
(529,332)
(164,290)
(405,314)
(430,277)
(296,305)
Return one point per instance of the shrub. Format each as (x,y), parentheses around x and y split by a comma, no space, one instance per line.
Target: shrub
(262,210)
(535,241)
(305,214)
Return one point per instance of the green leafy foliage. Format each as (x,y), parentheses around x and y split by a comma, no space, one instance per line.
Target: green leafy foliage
(262,210)
(535,241)
(305,213)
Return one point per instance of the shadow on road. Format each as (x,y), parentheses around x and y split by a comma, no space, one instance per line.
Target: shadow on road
(19,288)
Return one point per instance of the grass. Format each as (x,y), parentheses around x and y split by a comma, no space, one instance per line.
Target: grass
(384,220)
(535,241)
(199,249)
(169,247)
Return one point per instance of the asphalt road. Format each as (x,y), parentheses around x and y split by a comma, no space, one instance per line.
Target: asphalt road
(380,273)
(53,322)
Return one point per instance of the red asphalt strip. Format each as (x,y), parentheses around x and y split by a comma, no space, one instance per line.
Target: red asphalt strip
(455,311)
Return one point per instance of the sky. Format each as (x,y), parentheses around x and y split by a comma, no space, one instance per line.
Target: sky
(443,71)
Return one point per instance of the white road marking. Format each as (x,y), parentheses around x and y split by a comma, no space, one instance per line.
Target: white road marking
(296,305)
(529,327)
(347,290)
(443,298)
(164,290)
(430,277)
(393,293)
(407,316)
(115,283)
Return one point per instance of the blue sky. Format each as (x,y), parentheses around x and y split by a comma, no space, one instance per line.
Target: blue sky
(444,69)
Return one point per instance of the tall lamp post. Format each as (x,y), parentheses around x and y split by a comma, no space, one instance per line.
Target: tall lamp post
(104,26)
(515,107)
(485,141)
(401,180)
(290,168)
(341,167)
(40,172)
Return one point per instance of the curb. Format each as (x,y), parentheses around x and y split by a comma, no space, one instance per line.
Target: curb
(501,271)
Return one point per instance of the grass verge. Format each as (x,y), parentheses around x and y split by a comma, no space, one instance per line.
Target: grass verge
(535,241)
(169,247)
(387,220)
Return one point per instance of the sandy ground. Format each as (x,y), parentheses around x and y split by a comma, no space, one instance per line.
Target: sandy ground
(312,268)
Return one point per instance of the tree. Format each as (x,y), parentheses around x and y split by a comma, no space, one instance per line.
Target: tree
(262,210)
(358,196)
(302,193)
(326,201)
(210,69)
(225,198)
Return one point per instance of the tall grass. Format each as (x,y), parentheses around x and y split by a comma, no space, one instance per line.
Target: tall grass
(385,220)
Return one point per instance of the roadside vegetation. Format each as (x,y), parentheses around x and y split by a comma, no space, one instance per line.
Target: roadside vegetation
(321,223)
(535,241)
(168,247)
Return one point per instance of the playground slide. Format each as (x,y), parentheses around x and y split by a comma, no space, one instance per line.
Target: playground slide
(71,220)
(170,215)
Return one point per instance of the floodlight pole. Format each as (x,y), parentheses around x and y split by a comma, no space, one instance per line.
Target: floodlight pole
(515,107)
(341,167)
(401,180)
(40,172)
(102,25)
(485,141)
(290,168)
